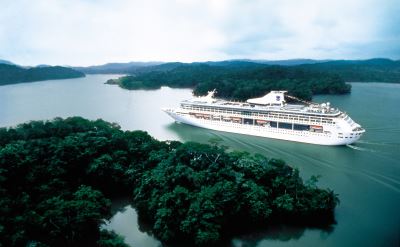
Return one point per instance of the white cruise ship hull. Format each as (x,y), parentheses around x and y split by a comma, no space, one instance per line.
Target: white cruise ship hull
(331,138)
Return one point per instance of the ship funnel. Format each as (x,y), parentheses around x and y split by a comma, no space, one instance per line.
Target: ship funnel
(272,98)
(209,98)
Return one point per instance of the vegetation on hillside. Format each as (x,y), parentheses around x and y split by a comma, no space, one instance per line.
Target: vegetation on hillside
(372,70)
(10,74)
(239,82)
(115,68)
(245,79)
(57,178)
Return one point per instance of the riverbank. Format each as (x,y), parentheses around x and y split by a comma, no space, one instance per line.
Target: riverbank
(12,74)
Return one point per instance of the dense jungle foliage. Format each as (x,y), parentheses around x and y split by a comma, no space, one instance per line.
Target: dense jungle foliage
(241,82)
(370,70)
(57,179)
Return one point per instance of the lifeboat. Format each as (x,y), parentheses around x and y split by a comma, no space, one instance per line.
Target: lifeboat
(316,128)
(236,119)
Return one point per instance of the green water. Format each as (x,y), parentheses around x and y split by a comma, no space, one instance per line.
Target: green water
(366,174)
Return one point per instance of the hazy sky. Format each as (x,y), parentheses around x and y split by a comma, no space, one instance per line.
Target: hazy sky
(86,32)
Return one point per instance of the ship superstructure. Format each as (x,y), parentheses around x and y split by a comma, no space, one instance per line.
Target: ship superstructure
(270,116)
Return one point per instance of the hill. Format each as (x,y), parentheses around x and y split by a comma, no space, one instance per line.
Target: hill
(238,81)
(141,67)
(10,74)
(287,62)
(115,68)
(372,70)
(2,61)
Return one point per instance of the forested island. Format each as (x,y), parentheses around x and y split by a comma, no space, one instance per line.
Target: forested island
(240,82)
(57,180)
(243,79)
(11,74)
(370,70)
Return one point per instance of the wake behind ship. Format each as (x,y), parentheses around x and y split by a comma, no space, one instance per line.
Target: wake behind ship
(270,116)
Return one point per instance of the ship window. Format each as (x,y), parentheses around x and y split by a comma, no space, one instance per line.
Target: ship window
(247,121)
(285,126)
(273,124)
(301,127)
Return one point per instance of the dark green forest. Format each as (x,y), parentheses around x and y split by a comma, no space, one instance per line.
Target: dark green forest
(239,82)
(372,70)
(10,74)
(57,180)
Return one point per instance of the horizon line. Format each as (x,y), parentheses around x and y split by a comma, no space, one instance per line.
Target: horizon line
(199,61)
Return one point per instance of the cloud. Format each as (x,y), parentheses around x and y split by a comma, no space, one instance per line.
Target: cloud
(84,32)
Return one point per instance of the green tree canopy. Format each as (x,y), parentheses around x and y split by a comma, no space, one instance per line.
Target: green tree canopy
(57,178)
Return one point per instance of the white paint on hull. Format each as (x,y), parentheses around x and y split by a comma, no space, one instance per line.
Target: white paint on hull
(269,132)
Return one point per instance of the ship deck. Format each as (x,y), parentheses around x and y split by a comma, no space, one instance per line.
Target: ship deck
(287,108)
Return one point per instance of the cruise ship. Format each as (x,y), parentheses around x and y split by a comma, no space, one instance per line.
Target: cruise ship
(272,117)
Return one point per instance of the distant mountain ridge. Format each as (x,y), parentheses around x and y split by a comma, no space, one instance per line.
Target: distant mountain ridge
(141,67)
(287,62)
(375,69)
(115,68)
(11,74)
(2,61)
(371,70)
